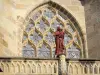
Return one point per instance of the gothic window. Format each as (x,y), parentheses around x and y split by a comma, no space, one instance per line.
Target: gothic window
(38,39)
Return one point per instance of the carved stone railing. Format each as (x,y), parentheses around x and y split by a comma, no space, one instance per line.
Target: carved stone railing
(36,66)
(28,66)
(83,67)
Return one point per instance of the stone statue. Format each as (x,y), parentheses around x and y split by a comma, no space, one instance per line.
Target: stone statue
(59,40)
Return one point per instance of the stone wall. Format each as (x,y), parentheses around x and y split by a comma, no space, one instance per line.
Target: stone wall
(92,17)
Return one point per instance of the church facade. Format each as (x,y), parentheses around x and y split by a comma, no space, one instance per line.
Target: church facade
(27,43)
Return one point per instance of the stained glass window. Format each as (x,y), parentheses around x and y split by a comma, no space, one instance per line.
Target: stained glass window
(28,51)
(44,51)
(49,13)
(73,52)
(43,22)
(50,38)
(35,37)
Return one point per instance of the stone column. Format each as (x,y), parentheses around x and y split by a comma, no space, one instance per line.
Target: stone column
(62,64)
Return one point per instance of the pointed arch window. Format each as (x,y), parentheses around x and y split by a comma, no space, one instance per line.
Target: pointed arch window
(42,22)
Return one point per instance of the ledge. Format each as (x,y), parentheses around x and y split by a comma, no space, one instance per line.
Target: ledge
(28,58)
(83,59)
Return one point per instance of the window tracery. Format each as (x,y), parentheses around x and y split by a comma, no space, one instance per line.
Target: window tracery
(42,23)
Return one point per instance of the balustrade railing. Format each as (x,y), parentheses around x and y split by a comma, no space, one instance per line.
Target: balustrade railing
(36,66)
(83,67)
(28,66)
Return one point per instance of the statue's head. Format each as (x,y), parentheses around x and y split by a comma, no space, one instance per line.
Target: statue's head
(58,28)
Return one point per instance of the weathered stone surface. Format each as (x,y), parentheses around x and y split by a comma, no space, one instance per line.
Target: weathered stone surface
(74,8)
(92,15)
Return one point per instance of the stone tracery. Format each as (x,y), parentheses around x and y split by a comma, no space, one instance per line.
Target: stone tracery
(42,23)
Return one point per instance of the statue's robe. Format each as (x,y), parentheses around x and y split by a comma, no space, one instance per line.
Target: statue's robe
(59,38)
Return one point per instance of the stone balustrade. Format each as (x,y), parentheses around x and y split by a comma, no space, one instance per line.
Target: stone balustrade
(36,66)
(83,67)
(28,66)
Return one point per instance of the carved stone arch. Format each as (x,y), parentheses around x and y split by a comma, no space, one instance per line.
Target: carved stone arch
(7,67)
(2,67)
(39,68)
(90,68)
(71,18)
(95,68)
(76,69)
(70,69)
(86,69)
(12,68)
(44,70)
(17,68)
(50,69)
(29,70)
(33,68)
(23,67)
(81,68)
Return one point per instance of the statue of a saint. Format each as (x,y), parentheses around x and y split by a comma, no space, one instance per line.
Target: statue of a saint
(59,40)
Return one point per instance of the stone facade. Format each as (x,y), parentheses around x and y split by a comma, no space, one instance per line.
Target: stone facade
(13,14)
(13,18)
(92,19)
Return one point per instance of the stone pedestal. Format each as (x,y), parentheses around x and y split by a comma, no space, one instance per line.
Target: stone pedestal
(62,63)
